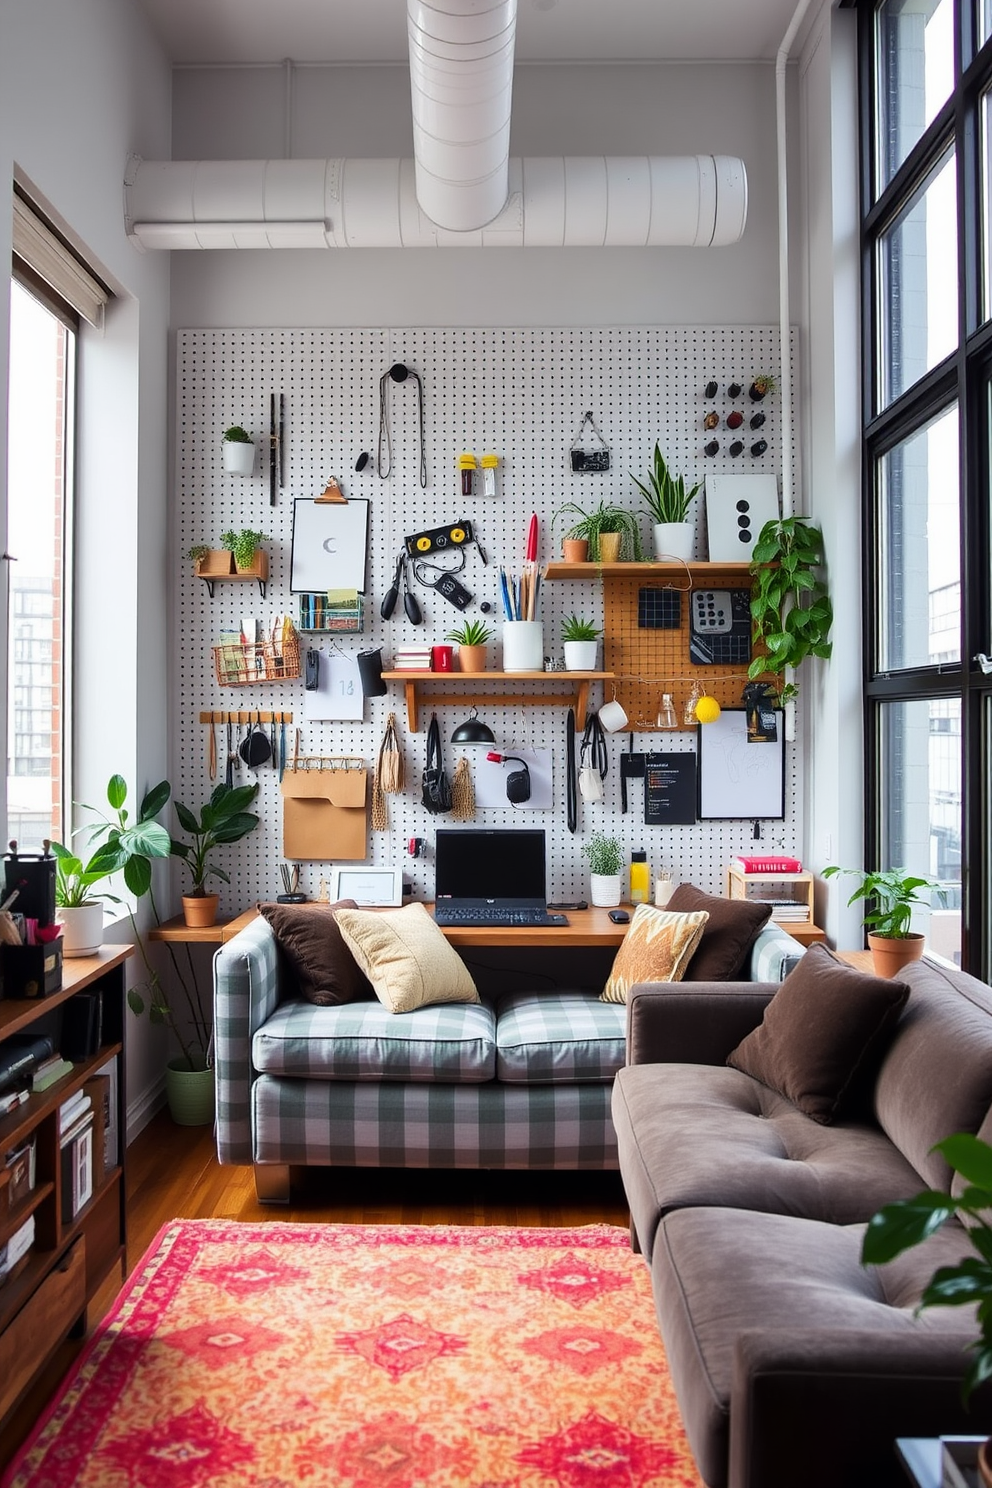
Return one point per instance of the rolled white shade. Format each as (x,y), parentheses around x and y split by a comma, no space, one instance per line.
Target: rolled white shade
(43,251)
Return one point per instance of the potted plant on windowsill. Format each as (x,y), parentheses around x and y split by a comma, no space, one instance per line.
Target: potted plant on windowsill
(580,642)
(471,637)
(248,558)
(222,820)
(611,531)
(239,451)
(894,894)
(668,506)
(605,865)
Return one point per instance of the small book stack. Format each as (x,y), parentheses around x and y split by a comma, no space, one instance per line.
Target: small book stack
(48,1071)
(767,863)
(412,659)
(76,1144)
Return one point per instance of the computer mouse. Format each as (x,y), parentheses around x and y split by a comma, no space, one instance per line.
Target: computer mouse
(619,916)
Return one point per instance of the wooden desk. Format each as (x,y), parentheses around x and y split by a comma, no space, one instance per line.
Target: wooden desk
(176,930)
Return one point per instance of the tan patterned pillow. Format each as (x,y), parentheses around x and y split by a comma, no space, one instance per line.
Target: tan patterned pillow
(405,957)
(657,948)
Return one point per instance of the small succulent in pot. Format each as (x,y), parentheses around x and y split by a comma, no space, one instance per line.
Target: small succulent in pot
(470,633)
(574,628)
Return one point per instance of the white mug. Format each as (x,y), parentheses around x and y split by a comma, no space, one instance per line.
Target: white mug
(664,888)
(612,717)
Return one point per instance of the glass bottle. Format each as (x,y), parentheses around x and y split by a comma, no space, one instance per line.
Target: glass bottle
(640,878)
(666,713)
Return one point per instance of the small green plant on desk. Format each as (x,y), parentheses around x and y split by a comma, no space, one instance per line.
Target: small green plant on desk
(666,496)
(605,855)
(470,633)
(603,519)
(577,629)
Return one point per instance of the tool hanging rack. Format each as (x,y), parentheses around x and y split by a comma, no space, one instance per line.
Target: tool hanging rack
(244,716)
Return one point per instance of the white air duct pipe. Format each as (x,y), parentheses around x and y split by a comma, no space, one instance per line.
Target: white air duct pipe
(461,76)
(593,201)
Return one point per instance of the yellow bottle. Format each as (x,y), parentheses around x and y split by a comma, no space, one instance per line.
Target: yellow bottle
(640,878)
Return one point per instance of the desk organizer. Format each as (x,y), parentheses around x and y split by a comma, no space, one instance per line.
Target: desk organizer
(31,971)
(237,664)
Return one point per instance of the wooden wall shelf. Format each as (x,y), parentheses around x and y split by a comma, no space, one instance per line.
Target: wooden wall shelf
(701,571)
(259,571)
(415,683)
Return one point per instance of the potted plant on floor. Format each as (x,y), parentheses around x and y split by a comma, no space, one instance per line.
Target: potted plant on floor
(668,506)
(239,451)
(615,524)
(791,614)
(79,908)
(605,865)
(580,642)
(471,637)
(221,821)
(894,893)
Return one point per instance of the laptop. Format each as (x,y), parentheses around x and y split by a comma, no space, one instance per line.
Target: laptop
(491,877)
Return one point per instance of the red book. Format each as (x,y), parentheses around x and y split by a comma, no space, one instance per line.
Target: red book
(769,863)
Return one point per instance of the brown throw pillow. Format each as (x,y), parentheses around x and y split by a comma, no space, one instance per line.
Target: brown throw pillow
(733,927)
(308,935)
(824,1022)
(657,948)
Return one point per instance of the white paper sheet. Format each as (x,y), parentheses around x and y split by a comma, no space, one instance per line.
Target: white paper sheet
(339,689)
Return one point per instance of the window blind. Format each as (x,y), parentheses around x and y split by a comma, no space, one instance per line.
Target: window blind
(40,248)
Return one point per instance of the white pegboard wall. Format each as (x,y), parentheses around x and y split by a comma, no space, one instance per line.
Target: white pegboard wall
(519,393)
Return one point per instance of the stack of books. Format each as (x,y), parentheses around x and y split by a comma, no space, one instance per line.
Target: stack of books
(48,1071)
(20,1056)
(76,1147)
(412,659)
(788,909)
(767,863)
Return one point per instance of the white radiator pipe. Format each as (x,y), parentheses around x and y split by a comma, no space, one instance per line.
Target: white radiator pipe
(638,201)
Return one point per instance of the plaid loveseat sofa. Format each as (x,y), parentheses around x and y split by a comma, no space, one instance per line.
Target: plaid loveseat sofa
(519,1081)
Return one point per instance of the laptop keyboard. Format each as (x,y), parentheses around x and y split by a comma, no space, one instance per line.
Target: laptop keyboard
(497,916)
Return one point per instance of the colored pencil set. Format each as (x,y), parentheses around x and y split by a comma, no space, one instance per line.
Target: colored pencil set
(521,595)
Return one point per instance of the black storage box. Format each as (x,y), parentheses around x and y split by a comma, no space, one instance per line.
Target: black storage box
(31,971)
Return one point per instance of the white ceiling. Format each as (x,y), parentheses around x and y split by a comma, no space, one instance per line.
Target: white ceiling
(259,31)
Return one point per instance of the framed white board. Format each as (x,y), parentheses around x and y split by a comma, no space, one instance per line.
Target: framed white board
(330,545)
(738,780)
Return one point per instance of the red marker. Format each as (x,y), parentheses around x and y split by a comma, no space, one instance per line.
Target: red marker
(532,539)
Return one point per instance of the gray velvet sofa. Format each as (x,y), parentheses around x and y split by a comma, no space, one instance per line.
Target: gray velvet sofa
(794,1364)
(522,1080)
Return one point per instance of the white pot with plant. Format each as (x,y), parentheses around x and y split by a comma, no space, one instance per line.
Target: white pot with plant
(239,451)
(78,909)
(605,869)
(580,642)
(668,504)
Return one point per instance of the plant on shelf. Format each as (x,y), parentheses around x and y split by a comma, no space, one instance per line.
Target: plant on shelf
(791,613)
(80,906)
(470,633)
(221,821)
(666,496)
(604,519)
(576,629)
(893,893)
(198,552)
(236,435)
(244,545)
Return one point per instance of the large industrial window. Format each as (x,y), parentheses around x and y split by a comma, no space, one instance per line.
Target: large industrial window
(926,82)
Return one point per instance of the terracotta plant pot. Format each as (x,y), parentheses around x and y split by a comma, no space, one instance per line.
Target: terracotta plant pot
(200,910)
(471,658)
(609,547)
(575,549)
(889,955)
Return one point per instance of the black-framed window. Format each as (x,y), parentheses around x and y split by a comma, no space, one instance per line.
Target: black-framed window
(926,114)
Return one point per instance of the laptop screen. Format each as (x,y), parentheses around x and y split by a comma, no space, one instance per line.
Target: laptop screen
(496,864)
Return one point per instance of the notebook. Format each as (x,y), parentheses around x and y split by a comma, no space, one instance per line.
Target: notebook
(491,877)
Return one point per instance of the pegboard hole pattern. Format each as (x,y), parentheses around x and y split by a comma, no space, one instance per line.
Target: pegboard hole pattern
(521,394)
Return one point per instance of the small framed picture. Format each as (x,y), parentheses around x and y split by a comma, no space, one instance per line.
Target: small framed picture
(373,888)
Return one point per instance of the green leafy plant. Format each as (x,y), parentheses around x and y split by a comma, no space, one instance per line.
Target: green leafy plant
(470,633)
(221,821)
(666,496)
(605,518)
(198,551)
(893,892)
(576,629)
(604,853)
(74,880)
(237,435)
(908,1222)
(791,613)
(244,545)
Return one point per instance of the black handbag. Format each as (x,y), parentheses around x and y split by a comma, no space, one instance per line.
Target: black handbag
(436,787)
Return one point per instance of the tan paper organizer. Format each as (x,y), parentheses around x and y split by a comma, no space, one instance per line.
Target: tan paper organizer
(325,813)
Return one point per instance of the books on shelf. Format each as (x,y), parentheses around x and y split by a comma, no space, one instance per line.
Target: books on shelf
(767,863)
(50,1072)
(72,1109)
(82,1026)
(11,1099)
(108,1071)
(20,1055)
(412,659)
(76,1165)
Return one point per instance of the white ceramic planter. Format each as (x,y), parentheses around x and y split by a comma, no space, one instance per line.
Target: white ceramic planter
(523,646)
(605,889)
(239,459)
(673,540)
(580,656)
(82,929)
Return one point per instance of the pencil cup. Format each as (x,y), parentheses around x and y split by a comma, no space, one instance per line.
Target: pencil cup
(523,646)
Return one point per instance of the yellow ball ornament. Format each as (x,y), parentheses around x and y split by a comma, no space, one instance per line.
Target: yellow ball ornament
(707,710)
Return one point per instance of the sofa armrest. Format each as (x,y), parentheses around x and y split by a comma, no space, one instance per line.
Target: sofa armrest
(774,954)
(246,992)
(692,1022)
(880,1385)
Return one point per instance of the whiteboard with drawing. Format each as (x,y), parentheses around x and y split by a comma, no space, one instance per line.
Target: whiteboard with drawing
(737,779)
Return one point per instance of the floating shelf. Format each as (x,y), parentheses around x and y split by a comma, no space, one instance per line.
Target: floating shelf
(560,570)
(259,571)
(414,684)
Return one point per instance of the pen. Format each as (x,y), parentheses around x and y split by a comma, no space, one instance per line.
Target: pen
(505,593)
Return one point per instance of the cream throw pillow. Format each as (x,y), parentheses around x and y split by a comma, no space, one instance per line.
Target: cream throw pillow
(405,957)
(657,948)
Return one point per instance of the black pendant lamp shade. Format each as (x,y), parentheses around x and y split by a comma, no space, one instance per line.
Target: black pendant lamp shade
(473,731)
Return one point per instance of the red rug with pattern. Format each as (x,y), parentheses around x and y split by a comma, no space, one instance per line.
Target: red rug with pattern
(273,1355)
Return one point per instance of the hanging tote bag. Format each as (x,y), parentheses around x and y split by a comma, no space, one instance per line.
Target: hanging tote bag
(435,786)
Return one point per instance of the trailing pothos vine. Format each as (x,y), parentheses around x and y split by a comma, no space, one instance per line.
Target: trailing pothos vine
(791,613)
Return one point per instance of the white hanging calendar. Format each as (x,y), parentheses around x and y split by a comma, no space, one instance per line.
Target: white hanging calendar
(338,695)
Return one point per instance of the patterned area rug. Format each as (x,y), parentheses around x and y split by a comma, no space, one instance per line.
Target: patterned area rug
(274,1355)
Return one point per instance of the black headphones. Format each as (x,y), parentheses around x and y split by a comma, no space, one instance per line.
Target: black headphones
(518,781)
(398,372)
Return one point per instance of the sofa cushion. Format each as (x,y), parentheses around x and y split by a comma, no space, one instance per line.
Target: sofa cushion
(725,1282)
(936,1077)
(364,1041)
(406,958)
(558,1038)
(732,929)
(657,948)
(322,966)
(818,1031)
(693,1134)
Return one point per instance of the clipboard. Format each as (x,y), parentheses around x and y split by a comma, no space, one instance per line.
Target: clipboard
(330,546)
(325,809)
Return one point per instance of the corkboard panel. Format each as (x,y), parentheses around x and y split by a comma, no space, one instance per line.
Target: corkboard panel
(648,662)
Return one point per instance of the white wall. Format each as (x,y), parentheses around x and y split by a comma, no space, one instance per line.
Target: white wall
(82,84)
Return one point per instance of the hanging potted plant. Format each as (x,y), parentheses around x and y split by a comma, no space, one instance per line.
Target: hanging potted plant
(791,613)
(668,506)
(611,531)
(894,894)
(248,558)
(471,637)
(222,820)
(605,865)
(580,642)
(239,451)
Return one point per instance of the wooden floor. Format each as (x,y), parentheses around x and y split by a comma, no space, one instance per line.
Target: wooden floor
(173,1173)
